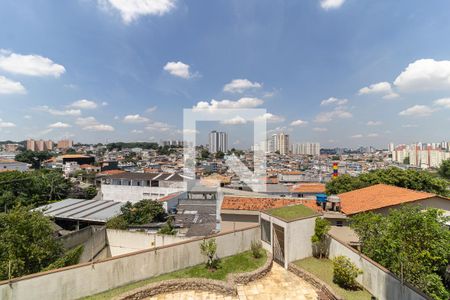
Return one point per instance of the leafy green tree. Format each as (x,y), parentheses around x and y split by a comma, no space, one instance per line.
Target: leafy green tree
(219,155)
(432,285)
(27,244)
(321,229)
(444,169)
(411,179)
(204,154)
(345,273)
(33,157)
(71,257)
(117,222)
(410,241)
(140,213)
(168,227)
(209,249)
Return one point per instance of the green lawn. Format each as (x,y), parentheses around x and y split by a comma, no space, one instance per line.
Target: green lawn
(289,213)
(240,263)
(323,269)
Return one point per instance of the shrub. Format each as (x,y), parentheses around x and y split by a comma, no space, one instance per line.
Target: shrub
(168,227)
(321,228)
(117,223)
(431,284)
(345,273)
(256,247)
(209,248)
(71,257)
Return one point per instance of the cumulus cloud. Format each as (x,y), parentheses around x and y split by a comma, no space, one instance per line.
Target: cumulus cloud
(4,124)
(374,123)
(331,4)
(271,118)
(135,119)
(417,110)
(178,69)
(373,135)
(59,125)
(84,104)
(31,65)
(91,124)
(409,126)
(425,75)
(320,129)
(240,86)
(333,101)
(8,86)
(56,112)
(357,136)
(136,131)
(381,88)
(328,116)
(234,121)
(299,123)
(151,109)
(158,126)
(245,102)
(131,10)
(444,102)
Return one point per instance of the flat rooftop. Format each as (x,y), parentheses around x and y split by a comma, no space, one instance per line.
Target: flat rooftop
(291,212)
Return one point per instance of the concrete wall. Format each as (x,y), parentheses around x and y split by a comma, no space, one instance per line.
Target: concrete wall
(434,202)
(86,279)
(93,238)
(133,194)
(379,281)
(122,241)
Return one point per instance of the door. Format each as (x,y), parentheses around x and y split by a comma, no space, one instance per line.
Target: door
(278,244)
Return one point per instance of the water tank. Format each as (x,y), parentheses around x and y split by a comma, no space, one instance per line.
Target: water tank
(321,199)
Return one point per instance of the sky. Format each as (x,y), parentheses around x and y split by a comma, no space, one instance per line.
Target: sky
(338,72)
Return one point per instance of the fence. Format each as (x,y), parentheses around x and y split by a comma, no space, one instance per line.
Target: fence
(90,278)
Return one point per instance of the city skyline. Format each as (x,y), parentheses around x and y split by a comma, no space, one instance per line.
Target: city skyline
(108,72)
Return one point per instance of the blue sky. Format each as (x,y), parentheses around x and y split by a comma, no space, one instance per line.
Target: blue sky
(339,72)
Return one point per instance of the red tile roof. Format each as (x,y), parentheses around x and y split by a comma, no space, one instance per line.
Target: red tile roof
(316,188)
(262,204)
(378,196)
(111,172)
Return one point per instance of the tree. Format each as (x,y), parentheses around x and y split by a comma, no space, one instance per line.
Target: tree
(140,213)
(411,242)
(34,158)
(406,160)
(27,244)
(209,249)
(321,229)
(168,227)
(71,257)
(220,155)
(444,169)
(204,154)
(345,273)
(411,179)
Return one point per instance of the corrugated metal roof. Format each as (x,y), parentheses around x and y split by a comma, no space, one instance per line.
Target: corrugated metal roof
(82,210)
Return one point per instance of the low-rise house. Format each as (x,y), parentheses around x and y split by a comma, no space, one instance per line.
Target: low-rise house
(307,190)
(12,165)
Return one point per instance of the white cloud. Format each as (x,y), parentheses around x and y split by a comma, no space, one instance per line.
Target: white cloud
(235,121)
(384,88)
(31,65)
(104,103)
(328,116)
(4,124)
(188,131)
(425,75)
(333,101)
(409,126)
(445,102)
(357,136)
(135,119)
(245,102)
(27,117)
(131,10)
(56,112)
(373,135)
(417,110)
(299,123)
(320,129)
(374,123)
(240,86)
(331,4)
(158,126)
(91,124)
(136,131)
(59,125)
(84,104)
(271,118)
(8,86)
(178,69)
(152,109)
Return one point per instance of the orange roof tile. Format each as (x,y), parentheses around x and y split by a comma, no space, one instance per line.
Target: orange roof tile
(308,188)
(262,204)
(378,196)
(111,172)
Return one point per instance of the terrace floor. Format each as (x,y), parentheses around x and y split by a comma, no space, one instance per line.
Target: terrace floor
(278,284)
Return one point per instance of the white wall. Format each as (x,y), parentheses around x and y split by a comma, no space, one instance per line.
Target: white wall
(298,239)
(88,279)
(122,241)
(376,279)
(133,194)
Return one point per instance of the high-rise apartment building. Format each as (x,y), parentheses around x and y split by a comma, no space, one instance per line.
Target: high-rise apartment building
(64,144)
(420,155)
(279,142)
(218,141)
(39,145)
(306,149)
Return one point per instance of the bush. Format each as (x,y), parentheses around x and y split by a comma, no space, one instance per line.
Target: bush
(117,223)
(345,273)
(209,249)
(256,247)
(321,228)
(431,284)
(168,227)
(72,257)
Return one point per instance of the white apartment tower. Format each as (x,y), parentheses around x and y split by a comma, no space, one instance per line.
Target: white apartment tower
(279,142)
(306,149)
(218,141)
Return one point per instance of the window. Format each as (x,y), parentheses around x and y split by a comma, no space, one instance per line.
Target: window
(339,223)
(265,231)
(155,183)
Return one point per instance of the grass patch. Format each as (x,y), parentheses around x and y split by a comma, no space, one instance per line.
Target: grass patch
(289,213)
(323,269)
(239,263)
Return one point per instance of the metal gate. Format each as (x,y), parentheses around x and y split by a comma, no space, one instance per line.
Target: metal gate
(278,244)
